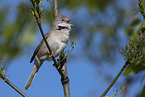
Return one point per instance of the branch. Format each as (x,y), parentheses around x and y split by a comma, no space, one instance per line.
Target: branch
(42,33)
(13,86)
(2,71)
(64,76)
(55,7)
(62,70)
(114,80)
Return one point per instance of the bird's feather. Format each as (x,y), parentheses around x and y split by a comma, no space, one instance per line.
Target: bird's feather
(39,46)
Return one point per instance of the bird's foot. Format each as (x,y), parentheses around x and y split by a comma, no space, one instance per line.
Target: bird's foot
(57,65)
(51,54)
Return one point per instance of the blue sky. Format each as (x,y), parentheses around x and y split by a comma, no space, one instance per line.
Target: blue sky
(85,81)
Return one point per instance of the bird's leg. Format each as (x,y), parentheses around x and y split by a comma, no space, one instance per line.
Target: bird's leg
(57,65)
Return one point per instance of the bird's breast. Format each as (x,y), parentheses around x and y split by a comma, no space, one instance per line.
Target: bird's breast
(64,36)
(57,46)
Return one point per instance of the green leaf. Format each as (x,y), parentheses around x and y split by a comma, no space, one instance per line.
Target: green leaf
(36,14)
(41,9)
(141,6)
(128,71)
(135,22)
(41,1)
(2,71)
(33,12)
(37,2)
(134,68)
(129,31)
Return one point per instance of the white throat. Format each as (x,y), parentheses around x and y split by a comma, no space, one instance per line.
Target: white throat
(64,25)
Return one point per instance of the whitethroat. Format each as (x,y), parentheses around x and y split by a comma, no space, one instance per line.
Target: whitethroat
(57,39)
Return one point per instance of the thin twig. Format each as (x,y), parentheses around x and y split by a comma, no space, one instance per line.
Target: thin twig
(13,86)
(68,53)
(114,80)
(42,33)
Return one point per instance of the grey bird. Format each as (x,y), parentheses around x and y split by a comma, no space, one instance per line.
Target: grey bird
(57,39)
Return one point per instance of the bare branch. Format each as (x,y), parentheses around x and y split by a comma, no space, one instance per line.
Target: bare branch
(13,86)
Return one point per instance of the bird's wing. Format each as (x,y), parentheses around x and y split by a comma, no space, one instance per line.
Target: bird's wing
(38,47)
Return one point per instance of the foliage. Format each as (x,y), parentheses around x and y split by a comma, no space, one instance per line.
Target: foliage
(90,4)
(2,71)
(134,52)
(141,9)
(36,11)
(14,33)
(117,92)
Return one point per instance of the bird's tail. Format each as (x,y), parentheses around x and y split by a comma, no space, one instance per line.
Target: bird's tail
(31,78)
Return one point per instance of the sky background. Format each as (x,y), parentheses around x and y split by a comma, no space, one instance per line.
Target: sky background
(85,81)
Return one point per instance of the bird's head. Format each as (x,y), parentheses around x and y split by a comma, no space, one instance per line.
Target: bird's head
(61,22)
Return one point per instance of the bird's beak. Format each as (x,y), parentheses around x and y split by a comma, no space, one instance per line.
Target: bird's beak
(70,24)
(68,20)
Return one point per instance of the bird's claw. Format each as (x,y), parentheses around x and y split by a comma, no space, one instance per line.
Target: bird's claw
(51,54)
(57,65)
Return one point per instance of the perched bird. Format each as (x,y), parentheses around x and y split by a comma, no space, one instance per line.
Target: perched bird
(57,39)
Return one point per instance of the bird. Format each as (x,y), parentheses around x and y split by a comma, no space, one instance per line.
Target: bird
(57,38)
